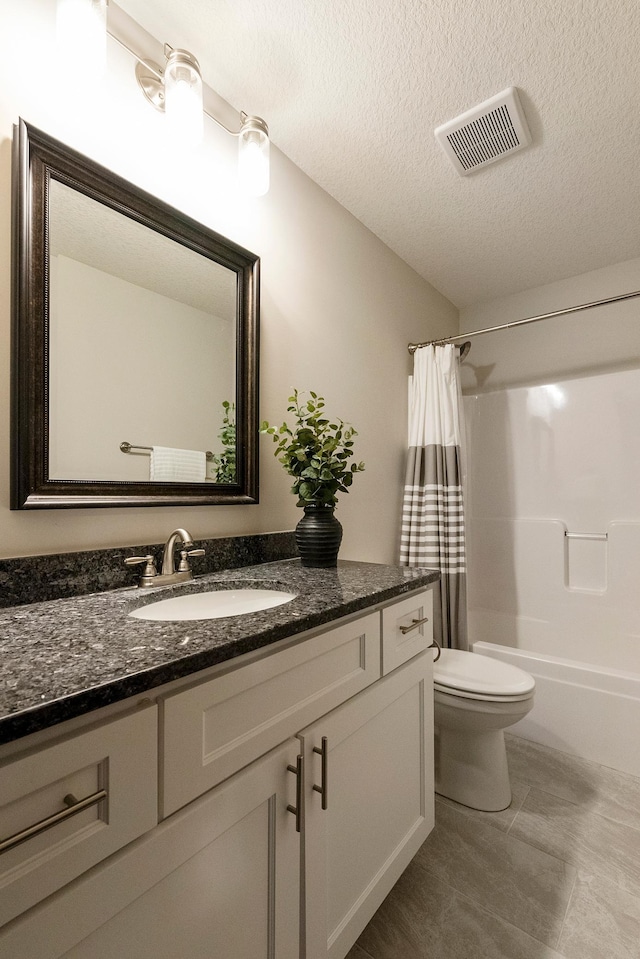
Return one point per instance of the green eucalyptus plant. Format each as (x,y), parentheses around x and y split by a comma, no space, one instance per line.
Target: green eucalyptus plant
(225,462)
(316,451)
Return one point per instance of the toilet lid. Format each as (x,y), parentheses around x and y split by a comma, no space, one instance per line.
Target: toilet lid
(473,673)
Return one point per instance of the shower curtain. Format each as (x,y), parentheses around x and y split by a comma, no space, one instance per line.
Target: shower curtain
(433,514)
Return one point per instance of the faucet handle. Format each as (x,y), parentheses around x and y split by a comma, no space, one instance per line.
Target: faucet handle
(184,558)
(150,569)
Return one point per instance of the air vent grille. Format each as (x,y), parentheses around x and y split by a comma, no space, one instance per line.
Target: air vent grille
(486,133)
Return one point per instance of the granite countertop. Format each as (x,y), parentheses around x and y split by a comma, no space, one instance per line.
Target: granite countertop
(66,657)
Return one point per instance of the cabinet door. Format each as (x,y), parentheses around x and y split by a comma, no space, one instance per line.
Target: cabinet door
(218,880)
(379,798)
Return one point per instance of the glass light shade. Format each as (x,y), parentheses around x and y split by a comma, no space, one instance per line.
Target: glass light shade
(81,35)
(183,98)
(253,156)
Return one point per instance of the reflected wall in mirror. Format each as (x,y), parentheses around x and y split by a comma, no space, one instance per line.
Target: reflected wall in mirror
(135,362)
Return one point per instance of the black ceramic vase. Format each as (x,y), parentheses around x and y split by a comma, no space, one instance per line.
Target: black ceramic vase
(318,536)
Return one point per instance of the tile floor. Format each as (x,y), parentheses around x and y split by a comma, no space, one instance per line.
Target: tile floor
(555,876)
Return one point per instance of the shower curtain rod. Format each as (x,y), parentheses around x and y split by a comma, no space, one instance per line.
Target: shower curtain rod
(530,319)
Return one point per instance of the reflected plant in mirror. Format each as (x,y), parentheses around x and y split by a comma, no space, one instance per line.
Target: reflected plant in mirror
(132,326)
(225,462)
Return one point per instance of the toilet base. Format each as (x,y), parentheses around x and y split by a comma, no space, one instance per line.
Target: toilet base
(471,768)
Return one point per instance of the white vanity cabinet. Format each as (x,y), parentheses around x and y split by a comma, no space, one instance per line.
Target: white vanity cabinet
(245,862)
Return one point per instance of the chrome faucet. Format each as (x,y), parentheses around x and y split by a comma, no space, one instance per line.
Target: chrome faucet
(168,568)
(169,574)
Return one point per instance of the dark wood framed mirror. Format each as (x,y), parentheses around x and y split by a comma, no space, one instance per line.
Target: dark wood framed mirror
(134,346)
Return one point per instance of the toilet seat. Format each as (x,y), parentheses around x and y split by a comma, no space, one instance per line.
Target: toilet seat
(463,694)
(473,676)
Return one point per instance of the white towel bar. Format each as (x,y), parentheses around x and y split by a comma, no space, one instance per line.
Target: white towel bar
(600,536)
(131,447)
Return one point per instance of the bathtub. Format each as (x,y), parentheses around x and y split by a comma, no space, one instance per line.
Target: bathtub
(592,711)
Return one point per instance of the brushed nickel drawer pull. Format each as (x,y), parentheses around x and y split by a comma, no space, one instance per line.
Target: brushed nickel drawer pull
(74,806)
(414,625)
(298,809)
(323,751)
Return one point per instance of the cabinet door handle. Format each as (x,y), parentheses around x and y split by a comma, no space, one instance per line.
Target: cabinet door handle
(74,806)
(298,809)
(323,751)
(414,625)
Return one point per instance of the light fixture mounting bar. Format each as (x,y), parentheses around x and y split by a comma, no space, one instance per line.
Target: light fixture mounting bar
(125,46)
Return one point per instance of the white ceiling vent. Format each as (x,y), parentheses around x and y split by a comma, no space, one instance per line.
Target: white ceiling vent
(486,133)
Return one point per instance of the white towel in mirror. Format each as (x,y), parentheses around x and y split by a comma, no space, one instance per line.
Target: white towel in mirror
(169,465)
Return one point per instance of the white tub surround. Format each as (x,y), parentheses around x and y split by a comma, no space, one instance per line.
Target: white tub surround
(554,555)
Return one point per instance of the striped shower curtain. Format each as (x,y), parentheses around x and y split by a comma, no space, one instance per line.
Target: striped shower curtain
(433,513)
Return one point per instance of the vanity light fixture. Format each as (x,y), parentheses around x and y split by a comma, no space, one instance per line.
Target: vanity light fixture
(253,155)
(183,97)
(175,89)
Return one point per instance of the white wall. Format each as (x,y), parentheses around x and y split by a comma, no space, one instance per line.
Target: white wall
(591,341)
(554,446)
(338,308)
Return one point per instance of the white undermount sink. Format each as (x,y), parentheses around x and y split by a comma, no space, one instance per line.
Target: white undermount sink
(213,604)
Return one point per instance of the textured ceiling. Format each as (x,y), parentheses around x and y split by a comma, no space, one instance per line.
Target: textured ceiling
(352,91)
(97,235)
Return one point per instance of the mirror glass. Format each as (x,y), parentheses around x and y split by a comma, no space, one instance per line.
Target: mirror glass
(143,328)
(151,328)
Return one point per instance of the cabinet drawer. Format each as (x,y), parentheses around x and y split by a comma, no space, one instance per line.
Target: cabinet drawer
(113,767)
(399,646)
(214,729)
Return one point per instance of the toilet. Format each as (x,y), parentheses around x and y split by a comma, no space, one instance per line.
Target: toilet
(475,699)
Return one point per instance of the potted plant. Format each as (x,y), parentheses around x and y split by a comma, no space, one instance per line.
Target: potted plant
(318,453)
